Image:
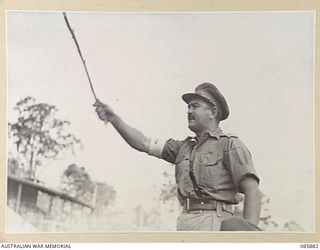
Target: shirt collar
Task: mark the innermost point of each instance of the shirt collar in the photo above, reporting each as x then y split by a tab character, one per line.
215	133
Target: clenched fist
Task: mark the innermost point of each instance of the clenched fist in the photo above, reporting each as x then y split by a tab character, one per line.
104	112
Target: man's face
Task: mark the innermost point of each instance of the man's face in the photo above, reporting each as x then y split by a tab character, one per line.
199	113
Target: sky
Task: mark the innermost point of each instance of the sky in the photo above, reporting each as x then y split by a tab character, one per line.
141	64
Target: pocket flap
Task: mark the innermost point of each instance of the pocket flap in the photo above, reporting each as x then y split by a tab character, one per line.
210	159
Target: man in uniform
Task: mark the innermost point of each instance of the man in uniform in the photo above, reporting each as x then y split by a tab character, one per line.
210	168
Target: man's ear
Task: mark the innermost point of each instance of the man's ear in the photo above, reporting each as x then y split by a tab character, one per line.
214	112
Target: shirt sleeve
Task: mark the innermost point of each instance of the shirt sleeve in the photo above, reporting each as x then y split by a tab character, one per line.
239	162
156	147
171	150
166	150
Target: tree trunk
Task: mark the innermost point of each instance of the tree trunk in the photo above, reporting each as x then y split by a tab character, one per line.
32	174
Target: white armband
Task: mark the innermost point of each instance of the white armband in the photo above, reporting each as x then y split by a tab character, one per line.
155	148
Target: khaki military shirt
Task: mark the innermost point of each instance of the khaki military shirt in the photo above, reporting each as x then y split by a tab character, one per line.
220	163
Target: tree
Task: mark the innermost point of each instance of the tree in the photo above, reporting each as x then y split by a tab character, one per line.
39	136
105	194
147	219
266	221
169	189
292	226
76	182
13	165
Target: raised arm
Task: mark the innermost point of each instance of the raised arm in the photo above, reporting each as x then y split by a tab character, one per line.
131	135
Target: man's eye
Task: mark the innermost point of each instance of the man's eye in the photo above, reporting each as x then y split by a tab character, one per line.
194	106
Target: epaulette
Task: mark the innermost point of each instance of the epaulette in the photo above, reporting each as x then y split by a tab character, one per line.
229	135
189	138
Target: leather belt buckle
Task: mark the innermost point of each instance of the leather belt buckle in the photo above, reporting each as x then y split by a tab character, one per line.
206	204
200	204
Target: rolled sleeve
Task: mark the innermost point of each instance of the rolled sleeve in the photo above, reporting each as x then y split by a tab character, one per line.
239	162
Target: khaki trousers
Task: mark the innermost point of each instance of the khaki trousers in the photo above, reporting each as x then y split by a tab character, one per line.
204	220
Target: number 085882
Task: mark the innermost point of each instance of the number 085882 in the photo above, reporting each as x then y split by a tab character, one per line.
309	245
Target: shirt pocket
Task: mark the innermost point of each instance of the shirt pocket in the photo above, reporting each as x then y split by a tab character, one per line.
210	159
212	172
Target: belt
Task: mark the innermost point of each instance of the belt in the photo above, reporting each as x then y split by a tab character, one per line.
200	204
191	204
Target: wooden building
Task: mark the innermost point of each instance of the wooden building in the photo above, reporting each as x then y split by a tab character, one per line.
47	209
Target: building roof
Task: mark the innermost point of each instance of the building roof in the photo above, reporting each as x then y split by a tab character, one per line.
47	190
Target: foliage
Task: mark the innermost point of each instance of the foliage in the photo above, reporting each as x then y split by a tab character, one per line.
266	221
292	226
38	135
147	219
76	182
105	195
168	191
13	166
